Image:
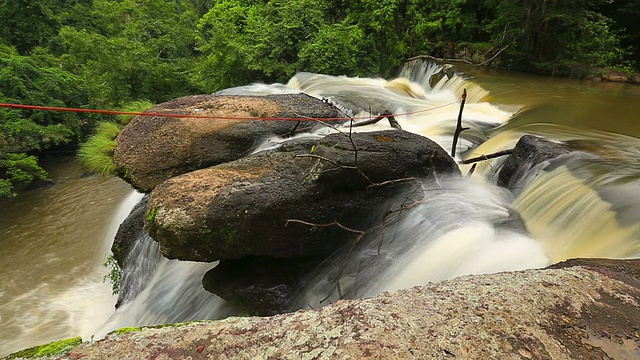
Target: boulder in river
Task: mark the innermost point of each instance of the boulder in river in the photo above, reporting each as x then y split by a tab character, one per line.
303	199
528	152
151	149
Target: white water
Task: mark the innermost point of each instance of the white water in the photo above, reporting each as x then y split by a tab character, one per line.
585	204
467	225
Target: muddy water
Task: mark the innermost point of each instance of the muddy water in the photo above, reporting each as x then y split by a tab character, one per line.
53	242
585	105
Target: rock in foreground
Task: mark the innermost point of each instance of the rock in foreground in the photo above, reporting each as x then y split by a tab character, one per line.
589	311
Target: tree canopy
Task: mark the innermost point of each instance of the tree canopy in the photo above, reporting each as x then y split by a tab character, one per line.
108	53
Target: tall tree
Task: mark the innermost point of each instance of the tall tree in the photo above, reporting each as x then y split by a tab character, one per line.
26	24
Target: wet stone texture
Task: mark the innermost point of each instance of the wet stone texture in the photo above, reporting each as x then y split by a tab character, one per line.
587	309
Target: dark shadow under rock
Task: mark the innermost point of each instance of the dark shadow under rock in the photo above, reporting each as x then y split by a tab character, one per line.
258	285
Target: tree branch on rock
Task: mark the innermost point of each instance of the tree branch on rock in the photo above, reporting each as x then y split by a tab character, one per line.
487	157
459	128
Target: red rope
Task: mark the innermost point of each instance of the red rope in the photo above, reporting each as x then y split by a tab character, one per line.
115	112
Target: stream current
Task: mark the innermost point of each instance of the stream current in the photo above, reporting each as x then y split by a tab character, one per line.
53	241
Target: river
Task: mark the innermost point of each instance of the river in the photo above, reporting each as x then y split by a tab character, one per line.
53	241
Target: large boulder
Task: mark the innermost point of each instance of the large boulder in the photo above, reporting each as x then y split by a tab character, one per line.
588	311
152	149
528	152
303	199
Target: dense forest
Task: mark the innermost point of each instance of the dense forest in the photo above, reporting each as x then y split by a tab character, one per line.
115	54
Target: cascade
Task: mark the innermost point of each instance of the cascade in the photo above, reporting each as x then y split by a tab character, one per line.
578	205
466	225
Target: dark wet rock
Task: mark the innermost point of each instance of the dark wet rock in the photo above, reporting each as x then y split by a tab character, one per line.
258	285
587	311
39	184
528	152
129	231
151	149
380	156
267	204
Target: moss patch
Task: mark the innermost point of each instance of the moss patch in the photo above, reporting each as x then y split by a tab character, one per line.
124	330
51	349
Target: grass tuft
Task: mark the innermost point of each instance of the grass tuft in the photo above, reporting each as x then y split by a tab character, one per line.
96	154
133	106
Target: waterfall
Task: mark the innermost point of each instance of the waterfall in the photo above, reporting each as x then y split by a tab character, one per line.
156	290
575	205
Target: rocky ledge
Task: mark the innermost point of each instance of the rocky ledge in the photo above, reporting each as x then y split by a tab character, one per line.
579	309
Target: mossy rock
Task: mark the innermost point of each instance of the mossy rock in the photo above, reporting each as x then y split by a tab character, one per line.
59	347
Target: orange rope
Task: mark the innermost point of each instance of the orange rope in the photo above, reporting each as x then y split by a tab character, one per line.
115	112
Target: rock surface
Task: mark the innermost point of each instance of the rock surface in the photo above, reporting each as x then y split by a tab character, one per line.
590	311
266	204
528	152
152	149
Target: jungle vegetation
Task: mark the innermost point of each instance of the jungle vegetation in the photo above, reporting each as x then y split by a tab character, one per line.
107	54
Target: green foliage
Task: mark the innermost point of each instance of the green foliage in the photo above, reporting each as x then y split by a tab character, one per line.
18	169
133	106
134	50
23	80
97	152
553	37
26	23
114	277
112	53
55	348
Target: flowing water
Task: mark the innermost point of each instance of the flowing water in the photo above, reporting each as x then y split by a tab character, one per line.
53	241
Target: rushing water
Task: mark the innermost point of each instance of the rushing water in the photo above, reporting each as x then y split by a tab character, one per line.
53	241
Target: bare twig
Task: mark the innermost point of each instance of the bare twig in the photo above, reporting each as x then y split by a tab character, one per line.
329	161
433	58
333	223
387	114
459	127
390	182
487	157
473	168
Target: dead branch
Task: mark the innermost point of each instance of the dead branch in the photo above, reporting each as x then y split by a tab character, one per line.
487	157
443	60
459	127
361	235
473	168
387	114
390	182
334	223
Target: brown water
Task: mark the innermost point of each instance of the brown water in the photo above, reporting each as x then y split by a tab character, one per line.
52	244
585	105
54	240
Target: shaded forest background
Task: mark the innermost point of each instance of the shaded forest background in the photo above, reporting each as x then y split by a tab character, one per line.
110	54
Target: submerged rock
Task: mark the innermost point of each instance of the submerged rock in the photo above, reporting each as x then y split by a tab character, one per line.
152	149
300	200
528	152
590	311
